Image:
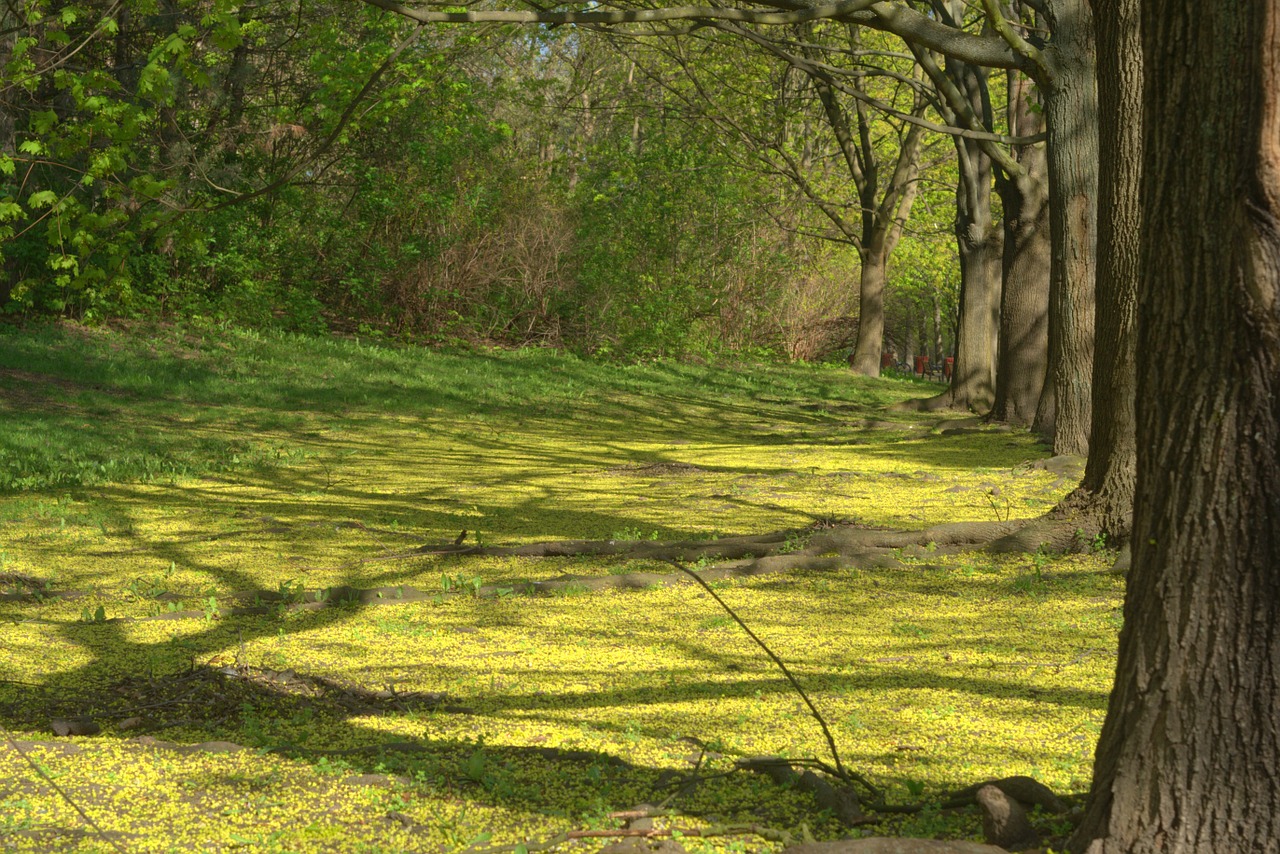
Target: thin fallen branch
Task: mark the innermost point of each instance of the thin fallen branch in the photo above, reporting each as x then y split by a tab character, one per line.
817	716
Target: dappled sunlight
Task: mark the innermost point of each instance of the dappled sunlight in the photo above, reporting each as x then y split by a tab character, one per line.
516	714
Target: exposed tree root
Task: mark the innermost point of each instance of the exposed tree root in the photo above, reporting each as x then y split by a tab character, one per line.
728	547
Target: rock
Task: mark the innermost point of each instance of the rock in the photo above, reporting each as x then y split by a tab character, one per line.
74	726
891	845
842	802
1026	790
1004	821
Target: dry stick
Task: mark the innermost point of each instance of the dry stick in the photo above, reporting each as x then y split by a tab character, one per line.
44	775
831	742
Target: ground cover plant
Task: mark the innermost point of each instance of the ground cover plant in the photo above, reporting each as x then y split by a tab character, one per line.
287	593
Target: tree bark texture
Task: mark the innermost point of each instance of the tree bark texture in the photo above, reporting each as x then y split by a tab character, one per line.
1024	301
1070	104
1189	758
978	241
1105	497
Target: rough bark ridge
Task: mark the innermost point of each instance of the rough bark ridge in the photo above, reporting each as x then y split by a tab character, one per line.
1070	101
974	377
1024	301
1189	758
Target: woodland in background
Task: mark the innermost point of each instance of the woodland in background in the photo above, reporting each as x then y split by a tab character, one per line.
324	165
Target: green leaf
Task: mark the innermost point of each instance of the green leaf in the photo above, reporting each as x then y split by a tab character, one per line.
42	199
42	121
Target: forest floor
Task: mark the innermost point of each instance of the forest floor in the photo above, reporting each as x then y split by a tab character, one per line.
228	560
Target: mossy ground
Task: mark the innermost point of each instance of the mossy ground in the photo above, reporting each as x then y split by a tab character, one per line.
166	471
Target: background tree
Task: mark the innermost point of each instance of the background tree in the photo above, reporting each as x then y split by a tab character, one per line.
855	164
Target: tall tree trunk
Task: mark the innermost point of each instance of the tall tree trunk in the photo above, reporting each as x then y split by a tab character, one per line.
1104	501
1024	300
885	211
1070	104
973	381
1190	748
978	241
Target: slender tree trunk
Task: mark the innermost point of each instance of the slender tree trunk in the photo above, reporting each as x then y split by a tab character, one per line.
1190	748
1024	301
937	327
1104	501
1070	103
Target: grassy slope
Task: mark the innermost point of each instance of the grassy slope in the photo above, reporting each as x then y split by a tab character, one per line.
147	469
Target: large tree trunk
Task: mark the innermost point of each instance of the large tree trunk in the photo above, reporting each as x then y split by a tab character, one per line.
1190	749
1024	302
1070	102
1104	501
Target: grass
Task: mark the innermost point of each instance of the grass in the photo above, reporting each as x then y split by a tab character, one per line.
155	479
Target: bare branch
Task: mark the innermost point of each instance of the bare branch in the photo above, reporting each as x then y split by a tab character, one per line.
828	74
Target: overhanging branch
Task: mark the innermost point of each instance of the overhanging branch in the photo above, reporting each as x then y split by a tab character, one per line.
840	9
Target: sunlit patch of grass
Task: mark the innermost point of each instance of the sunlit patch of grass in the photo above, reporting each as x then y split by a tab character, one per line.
949	669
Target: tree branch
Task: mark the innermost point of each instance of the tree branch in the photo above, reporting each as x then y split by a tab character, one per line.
839	9
1001	25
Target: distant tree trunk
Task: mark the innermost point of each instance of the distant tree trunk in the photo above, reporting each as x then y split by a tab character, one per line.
978	241
1070	105
1024	301
865	359
884	212
937	326
1190	749
1104	501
